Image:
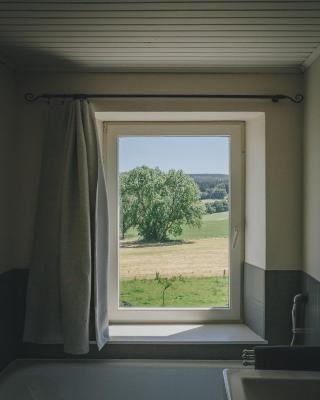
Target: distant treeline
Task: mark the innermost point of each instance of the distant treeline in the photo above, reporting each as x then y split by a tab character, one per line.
212	186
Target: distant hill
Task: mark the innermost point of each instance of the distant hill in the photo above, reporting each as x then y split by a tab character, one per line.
211	179
212	186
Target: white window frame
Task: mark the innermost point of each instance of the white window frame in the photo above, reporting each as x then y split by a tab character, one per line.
235	130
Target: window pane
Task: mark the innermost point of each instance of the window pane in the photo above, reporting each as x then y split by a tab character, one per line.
174	221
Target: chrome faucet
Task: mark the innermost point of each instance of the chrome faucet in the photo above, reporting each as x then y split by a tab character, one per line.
297	314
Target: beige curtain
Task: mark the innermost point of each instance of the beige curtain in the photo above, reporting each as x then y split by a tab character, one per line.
68	275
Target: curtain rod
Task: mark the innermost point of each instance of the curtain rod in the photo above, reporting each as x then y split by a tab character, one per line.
275	98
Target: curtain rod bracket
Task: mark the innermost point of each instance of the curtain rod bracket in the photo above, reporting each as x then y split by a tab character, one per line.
275	98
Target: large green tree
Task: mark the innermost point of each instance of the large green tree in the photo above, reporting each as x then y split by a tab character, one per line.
159	203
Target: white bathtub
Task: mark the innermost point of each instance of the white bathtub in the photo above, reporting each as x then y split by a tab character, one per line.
113	380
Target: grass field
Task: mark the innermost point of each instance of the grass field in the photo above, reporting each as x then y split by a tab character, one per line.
200	255
193	292
213	225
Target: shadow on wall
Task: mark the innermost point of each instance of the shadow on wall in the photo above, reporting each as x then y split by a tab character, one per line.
12	302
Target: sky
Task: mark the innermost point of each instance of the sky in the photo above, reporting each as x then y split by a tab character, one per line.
194	155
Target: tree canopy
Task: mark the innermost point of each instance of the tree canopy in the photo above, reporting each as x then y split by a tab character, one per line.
159	203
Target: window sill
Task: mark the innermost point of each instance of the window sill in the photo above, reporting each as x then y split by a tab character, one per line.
184	334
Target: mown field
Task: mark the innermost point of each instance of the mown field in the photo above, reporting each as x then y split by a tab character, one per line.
199	255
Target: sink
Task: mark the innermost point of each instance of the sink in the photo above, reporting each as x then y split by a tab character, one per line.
251	384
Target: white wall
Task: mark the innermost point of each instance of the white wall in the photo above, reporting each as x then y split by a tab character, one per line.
283	139
311	259
255	193
8	218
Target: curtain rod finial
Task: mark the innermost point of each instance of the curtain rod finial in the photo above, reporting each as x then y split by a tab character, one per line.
30	97
298	98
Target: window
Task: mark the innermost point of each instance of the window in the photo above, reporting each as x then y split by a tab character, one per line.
175	192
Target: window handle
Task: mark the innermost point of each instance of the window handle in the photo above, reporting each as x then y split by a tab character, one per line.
236	231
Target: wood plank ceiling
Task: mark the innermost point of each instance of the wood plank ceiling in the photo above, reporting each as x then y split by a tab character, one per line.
160	35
